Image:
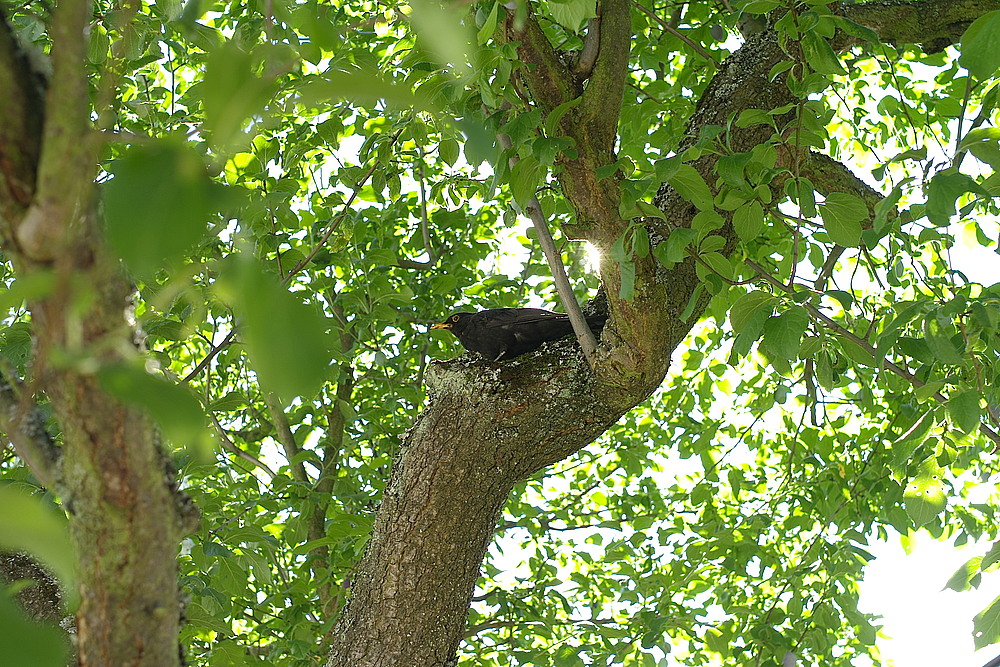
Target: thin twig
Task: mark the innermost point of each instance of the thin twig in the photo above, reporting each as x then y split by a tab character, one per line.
698	48
230	446
425	231
336	222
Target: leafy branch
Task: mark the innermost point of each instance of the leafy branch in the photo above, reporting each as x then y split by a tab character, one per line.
862	343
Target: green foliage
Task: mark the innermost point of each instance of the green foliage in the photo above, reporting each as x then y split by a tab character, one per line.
981	46
842	215
25	643
157	204
285	339
30	524
324	181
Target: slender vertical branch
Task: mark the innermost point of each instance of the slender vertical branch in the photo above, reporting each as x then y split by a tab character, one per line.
580	327
68	159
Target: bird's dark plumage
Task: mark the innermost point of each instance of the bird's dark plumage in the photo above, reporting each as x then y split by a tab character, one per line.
505	333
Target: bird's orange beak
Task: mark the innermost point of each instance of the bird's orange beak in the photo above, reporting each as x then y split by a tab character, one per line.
442	325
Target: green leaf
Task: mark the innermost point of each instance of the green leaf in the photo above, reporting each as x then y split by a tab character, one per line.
820	55
937	334
961	580
100	44
364	87
489	26
964	410
285	338
232	93
649	210
928	391
747	306
944	189
717	263
760	6
855	352
750	117
924	497
556	115
674	249
30	524
783	334
711	243
842	215
803	192
856	29
730	168
441	31
572	13
28	287
524	177
980	135
986	625
691	186
693	300
991	558
448	151
174	408
627	289
981	47
157	205
845	299
887	206
23	642
748	220
480	145
640	241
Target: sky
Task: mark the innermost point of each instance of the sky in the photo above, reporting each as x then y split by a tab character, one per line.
925	626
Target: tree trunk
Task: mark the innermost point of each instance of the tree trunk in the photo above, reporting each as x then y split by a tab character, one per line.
126	516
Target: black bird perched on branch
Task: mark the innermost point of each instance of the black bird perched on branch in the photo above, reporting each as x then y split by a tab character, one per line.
505	333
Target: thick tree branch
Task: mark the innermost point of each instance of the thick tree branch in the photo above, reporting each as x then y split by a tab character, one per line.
488	427
68	160
598	113
934	23
551	82
593	124
585	60
285	436
21	116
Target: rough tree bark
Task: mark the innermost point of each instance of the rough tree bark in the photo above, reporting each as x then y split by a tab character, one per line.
126	516
489	426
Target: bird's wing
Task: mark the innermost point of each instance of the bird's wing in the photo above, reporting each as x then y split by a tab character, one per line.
500	317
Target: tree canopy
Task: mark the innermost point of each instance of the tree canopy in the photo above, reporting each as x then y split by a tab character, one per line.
227	227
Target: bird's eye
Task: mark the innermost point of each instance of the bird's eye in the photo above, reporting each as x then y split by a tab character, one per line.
455	318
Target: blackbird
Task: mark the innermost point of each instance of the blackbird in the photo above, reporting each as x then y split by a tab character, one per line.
505	333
